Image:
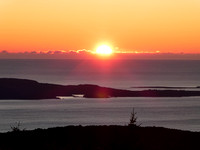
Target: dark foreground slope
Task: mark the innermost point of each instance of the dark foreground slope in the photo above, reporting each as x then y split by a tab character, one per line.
101	138
28	89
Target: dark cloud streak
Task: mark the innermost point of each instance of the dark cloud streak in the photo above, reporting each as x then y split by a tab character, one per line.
87	54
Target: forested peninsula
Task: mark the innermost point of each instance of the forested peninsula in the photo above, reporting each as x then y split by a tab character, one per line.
11	88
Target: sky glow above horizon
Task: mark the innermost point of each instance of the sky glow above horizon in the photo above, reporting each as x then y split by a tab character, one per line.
147	26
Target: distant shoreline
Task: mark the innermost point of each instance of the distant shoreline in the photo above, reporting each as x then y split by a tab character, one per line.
23	89
165	87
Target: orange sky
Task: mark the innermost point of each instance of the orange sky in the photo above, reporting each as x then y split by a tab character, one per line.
130	25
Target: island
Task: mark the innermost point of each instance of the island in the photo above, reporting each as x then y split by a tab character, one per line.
11	88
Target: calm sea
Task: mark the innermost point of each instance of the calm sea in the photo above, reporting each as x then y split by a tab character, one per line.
180	113
111	73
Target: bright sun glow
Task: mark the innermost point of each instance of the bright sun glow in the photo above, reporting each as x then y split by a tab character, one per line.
104	50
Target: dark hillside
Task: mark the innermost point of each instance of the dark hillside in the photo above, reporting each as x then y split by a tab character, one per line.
28	89
101	138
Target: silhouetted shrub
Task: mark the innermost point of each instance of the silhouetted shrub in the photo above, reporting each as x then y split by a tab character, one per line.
133	119
16	128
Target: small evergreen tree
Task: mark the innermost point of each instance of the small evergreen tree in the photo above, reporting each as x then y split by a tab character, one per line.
133	119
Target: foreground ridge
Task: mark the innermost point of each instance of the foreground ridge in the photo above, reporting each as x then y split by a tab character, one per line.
101	138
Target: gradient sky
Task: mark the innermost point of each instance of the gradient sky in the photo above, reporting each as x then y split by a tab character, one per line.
130	25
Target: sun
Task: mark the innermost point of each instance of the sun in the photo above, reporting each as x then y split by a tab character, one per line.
104	50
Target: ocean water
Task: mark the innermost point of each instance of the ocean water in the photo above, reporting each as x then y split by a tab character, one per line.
111	73
180	113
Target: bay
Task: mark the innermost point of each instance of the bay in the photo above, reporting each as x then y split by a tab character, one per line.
177	113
